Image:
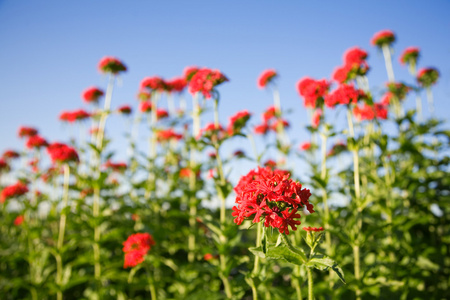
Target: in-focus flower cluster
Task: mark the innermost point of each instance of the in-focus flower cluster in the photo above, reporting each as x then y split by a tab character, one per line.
12	191
136	247
270	196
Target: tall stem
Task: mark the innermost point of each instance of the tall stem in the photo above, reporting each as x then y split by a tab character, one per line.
310	284
105	112
388	61
151	284
62	229
430	99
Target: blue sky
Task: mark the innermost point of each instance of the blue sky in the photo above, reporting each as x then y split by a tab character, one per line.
49	51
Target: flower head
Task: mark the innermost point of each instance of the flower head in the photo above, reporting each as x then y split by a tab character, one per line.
136	247
145	106
161	114
27	131
109	64
238	122
344	94
305	146
381	38
36	141
168	135
266	77
19	220
154	83
410	56
313	229
12	191
92	95
398	89
176	85
61	153
10	154
316	117
312	90
144	96
189	72
427	76
124	109
212	132
116	167
3	165
72	116
272	197
205	80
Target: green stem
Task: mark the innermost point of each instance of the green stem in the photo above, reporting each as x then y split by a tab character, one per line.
152	148
310	284
357	270
105	112
151	284
430	99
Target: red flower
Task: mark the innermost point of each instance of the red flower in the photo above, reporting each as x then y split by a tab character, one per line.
36	141
176	84
204	81
61	153
386	100
427	76
270	113
341	74
117	167
161	114
92	94
238	122
270	196
399	89
72	116
145	106
125	109
355	56
19	220
317	115
270	163
312	90
344	94
167	135
12	191
208	256
369	112
136	247
212	132
10	154
154	83
279	122
262	129
239	153
313	229
109	64
305	146
3	165
266	77
189	72
384	37
381	111
410	56
27	131
185	173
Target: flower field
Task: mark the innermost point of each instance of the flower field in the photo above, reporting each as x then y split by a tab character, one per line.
366	216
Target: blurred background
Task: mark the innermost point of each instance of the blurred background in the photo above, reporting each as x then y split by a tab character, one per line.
49	51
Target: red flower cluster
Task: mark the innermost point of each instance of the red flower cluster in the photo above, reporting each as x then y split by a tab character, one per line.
161	114
109	64
72	116
3	165
312	90
154	83
212	132
145	106
270	121
204	81
344	94
136	247
186	173
354	65
410	56
116	167
61	153
313	229
271	196
92	94
189	72
124	109
36	141
305	146
270	113
176	84
27	131
427	77
266	77
12	191
167	135
238	122
369	112
10	154
19	220
316	117
398	89
384	37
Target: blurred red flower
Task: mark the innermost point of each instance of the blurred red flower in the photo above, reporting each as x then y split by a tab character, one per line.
266	77
12	191
136	247
109	64
61	153
27	131
92	94
384	37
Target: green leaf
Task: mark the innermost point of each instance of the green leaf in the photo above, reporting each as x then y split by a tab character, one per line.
323	262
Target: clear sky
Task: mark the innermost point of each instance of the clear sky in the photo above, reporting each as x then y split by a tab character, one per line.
49	51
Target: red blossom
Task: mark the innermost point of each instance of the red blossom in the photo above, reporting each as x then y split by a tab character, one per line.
109	64
154	83
279	123
269	113
12	191
262	129
344	94
238	121
161	114
399	89
212	131
204	81
384	37
312	90
239	153
410	56
92	94
125	109
36	141
387	98
270	163
272	197
19	220
176	84
145	106
167	135
136	247
313	229
27	131
305	146
72	116
61	153
341	74
186	173
189	72
266	77
3	165
316	117
355	56
10	154
337	148
427	76
117	167
369	112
